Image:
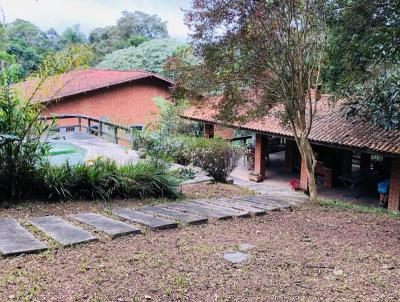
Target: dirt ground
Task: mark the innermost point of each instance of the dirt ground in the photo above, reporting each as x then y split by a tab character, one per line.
309	254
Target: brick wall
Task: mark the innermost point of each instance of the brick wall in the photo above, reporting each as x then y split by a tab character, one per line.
394	187
130	103
303	176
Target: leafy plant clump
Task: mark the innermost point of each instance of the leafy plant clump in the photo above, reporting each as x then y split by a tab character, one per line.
216	156
103	179
149	56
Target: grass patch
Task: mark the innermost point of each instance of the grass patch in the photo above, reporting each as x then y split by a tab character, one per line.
341	205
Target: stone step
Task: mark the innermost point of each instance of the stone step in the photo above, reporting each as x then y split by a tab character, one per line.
111	227
197	210
148	220
175	215
226	210
259	204
15	240
238	205
269	200
62	231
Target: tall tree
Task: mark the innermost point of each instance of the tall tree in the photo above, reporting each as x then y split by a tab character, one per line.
149	56
363	62
140	23
259	55
132	29
71	36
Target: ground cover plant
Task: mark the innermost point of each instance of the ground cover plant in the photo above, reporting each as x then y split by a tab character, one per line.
103	179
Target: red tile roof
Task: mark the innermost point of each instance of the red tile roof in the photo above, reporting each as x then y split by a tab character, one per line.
330	127
81	81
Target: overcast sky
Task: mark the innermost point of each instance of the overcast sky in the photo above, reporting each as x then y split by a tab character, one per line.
93	13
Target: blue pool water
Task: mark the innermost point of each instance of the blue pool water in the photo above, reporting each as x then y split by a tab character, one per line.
61	152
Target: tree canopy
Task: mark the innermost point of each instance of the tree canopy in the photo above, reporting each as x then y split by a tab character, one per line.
258	54
25	45
149	56
363	58
132	29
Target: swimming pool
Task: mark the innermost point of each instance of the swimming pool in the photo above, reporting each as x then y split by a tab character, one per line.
61	153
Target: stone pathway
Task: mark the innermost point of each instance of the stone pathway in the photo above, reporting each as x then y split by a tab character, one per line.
14	239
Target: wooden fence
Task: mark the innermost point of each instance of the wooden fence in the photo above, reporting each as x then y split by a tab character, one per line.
92	125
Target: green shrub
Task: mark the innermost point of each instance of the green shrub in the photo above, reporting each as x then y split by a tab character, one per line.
103	179
215	156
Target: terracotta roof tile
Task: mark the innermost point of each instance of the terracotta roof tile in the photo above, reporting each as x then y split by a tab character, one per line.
330	126
81	81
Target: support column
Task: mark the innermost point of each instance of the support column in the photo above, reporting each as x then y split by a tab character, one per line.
346	161
208	130
290	145
259	159
303	176
394	186
365	162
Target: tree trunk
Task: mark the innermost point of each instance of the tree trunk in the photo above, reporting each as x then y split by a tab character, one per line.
307	155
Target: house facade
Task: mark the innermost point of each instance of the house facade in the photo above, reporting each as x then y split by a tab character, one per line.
122	97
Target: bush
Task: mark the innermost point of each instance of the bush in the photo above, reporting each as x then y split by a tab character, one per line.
215	156
103	179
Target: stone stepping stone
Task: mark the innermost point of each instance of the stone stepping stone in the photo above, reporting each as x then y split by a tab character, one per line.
148	220
273	199
233	212
257	204
238	205
172	214
236	257
197	210
111	227
62	231
263	200
15	240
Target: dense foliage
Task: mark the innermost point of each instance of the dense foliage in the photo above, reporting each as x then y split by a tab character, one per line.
363	59
24	45
132	29
22	148
103	179
215	156
149	56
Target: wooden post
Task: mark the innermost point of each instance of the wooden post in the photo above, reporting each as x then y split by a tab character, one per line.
346	161
116	134
208	130
80	123
101	128
289	153
89	126
365	162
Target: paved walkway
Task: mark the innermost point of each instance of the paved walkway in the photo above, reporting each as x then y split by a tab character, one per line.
97	147
14	239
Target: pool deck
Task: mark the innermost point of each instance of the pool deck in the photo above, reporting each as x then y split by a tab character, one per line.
97	147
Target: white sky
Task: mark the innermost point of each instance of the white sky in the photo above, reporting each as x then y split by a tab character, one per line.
93	13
